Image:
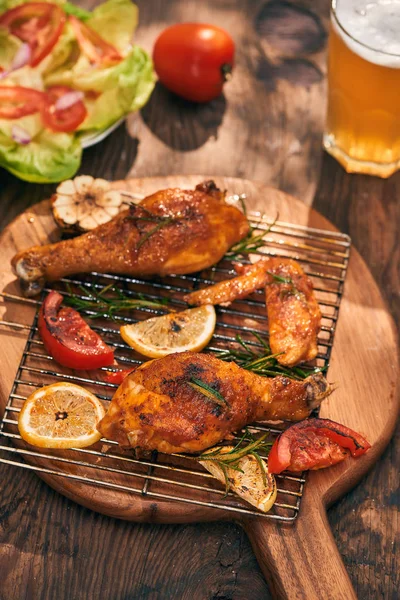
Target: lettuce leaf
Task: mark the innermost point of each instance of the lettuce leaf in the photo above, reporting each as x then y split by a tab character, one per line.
123	88
120	89
9	45
49	157
115	21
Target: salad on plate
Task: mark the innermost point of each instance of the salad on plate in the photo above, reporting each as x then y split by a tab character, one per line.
66	74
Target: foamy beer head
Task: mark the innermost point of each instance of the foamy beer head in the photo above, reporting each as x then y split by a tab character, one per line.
363	122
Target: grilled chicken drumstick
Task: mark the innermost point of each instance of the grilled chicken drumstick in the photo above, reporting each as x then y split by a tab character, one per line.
294	316
188	402
173	231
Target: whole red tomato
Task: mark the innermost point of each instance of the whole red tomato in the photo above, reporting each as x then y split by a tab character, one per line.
194	60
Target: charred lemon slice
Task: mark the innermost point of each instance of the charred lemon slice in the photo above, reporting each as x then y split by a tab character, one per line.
190	329
248	479
62	415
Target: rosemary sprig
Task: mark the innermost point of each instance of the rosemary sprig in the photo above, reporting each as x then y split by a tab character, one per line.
252	242
231	458
162	223
108	301
293	290
159	220
208	391
262	361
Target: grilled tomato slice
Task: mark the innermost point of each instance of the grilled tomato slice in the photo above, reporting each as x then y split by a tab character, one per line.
69	339
314	444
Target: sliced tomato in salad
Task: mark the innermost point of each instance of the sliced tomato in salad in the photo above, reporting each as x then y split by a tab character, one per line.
69	339
17	101
314	444
64	119
96	49
38	24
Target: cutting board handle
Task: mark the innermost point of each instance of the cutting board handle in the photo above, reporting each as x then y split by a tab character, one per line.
301	561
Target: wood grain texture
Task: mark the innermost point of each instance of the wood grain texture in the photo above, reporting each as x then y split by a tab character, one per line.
256	131
366	401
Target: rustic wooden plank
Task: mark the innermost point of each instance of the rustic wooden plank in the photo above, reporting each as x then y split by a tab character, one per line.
365	522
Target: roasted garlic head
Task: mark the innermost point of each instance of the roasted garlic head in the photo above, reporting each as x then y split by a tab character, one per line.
83	203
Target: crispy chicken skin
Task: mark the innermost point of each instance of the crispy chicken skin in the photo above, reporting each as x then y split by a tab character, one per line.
254	277
196	228
156	408
294	316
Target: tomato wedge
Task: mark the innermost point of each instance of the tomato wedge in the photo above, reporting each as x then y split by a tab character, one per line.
314	444
96	49
39	24
17	101
117	377
67	119
69	339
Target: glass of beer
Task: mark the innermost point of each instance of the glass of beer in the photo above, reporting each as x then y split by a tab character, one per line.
363	122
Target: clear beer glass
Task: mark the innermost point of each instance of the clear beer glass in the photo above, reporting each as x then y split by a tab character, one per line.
363	121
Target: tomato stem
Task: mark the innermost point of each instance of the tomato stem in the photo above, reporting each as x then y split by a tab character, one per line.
226	72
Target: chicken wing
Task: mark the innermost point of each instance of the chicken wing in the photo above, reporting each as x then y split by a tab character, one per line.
294	316
173	231
164	405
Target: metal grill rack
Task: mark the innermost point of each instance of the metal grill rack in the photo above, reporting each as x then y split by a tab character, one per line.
324	256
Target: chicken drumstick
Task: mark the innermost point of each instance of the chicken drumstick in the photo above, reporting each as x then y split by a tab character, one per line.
173	231
167	405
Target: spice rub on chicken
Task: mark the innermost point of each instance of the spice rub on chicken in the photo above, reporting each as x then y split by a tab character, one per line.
188	402
294	316
173	231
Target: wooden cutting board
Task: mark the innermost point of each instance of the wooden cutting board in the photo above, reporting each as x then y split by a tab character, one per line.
299	560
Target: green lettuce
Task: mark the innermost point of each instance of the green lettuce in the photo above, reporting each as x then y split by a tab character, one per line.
115	21
119	89
49	157
123	88
9	46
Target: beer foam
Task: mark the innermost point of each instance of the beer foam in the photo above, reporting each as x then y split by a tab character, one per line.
375	25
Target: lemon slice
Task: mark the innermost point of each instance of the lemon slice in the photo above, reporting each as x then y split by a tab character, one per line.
190	329
61	415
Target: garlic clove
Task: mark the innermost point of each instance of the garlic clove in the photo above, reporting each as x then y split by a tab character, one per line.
83	184
100	186
111	198
66	214
112	211
66	187
88	223
100	215
62	200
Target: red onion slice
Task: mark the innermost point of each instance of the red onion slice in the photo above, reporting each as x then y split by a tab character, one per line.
19	135
68	99
22	57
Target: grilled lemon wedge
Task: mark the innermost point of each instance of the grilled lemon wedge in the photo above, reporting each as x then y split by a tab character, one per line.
190	329
61	415
247	479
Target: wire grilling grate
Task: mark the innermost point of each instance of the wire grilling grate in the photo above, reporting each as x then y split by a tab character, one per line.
324	257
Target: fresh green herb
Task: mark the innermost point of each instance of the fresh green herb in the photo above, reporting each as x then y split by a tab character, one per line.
252	242
77	11
207	391
160	221
108	301
287	280
262	361
231	458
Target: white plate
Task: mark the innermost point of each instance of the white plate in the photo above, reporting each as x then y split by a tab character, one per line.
90	139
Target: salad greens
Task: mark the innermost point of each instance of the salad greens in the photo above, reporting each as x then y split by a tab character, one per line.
111	90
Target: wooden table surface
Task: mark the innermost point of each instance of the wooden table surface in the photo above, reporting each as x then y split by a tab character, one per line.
268	127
